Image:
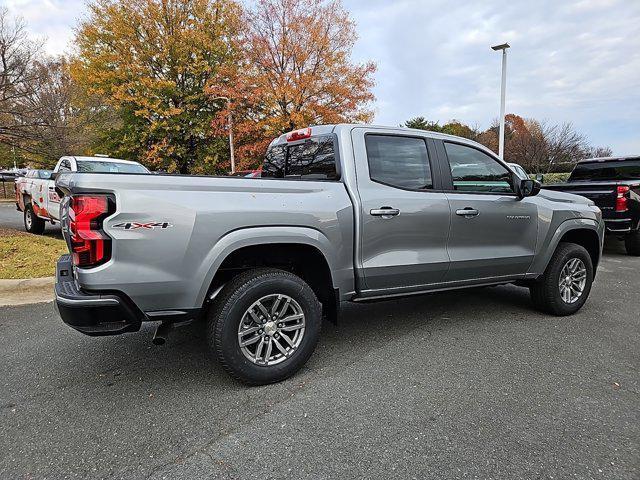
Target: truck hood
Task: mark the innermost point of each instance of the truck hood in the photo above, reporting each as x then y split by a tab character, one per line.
563	197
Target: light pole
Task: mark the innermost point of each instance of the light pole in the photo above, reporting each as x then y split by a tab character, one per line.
503	87
230	126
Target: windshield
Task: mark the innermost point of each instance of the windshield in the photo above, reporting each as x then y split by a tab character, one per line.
610	170
109	167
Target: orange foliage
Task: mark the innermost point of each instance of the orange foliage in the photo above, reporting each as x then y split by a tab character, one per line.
294	70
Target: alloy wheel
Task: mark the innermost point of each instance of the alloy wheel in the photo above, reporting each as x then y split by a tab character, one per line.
573	278
271	329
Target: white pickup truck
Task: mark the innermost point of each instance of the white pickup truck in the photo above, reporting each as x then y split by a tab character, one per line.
38	198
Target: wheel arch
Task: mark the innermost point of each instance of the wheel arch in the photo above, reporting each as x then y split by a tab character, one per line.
585	232
586	238
303	251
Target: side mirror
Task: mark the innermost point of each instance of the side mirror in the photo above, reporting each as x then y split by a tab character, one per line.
528	188
53	175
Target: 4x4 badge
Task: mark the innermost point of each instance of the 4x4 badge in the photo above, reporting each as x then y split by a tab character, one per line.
147	225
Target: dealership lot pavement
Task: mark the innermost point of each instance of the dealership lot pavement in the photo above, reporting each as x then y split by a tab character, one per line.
468	384
12	218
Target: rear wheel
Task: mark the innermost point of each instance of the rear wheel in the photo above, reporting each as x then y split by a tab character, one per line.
32	223
632	243
566	283
264	325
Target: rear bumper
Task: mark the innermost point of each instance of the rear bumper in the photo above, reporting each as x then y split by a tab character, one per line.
93	314
619	225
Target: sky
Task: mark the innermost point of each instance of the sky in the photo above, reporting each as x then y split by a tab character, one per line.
572	61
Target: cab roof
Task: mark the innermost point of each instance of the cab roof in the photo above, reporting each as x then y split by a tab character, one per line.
101	159
335	128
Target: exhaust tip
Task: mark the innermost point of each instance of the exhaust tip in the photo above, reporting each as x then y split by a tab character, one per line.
160	337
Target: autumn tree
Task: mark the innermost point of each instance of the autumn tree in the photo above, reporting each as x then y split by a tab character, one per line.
539	146
295	71
149	61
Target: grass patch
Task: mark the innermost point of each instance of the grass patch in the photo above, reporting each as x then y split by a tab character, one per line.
23	255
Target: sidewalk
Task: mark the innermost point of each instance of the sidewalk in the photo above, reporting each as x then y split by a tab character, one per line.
25	291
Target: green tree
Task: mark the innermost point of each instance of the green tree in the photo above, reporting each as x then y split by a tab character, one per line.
459	129
149	61
421	123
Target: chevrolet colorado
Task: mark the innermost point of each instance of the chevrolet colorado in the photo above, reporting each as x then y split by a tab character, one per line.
341	213
613	183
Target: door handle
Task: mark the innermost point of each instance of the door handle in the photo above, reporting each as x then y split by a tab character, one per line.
468	212
384	212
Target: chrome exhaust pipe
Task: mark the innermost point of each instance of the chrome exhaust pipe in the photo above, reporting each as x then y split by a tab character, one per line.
162	332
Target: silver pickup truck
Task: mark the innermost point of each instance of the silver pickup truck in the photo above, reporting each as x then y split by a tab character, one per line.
341	213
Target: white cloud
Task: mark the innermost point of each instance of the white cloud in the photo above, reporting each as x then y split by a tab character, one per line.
570	61
576	61
50	20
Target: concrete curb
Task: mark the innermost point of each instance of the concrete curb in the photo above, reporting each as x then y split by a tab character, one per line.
25	291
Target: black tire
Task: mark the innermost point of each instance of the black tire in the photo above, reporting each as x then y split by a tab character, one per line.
632	243
545	293
32	223
223	322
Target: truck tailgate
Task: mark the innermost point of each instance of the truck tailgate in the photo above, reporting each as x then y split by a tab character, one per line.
603	194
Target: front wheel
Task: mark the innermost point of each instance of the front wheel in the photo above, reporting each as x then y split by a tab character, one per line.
32	223
566	283
632	243
264	325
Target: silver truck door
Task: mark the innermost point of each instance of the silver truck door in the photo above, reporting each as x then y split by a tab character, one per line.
404	219
493	232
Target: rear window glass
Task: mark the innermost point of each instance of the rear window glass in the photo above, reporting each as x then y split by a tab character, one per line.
613	170
313	159
110	167
274	161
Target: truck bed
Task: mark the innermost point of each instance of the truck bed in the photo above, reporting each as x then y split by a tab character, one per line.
604	194
203	216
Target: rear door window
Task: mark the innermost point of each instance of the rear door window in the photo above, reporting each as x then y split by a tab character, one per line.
398	161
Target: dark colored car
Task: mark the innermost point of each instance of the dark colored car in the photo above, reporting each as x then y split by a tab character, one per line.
613	183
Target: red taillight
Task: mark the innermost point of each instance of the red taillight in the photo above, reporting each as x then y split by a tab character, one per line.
90	246
621	199
299	134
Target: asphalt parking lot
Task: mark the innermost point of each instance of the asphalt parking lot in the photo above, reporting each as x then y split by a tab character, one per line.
458	385
12	218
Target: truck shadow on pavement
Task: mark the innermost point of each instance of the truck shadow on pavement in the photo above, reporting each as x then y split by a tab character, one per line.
185	359
165	402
